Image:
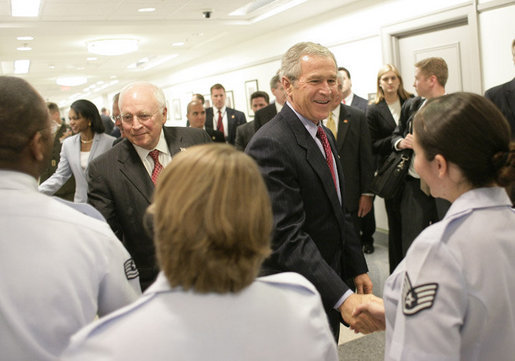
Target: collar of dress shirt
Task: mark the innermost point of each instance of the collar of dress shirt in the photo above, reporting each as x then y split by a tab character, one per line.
14	180
222	110
348	100
161	146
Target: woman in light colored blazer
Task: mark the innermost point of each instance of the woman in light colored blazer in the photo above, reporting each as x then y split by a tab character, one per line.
77	151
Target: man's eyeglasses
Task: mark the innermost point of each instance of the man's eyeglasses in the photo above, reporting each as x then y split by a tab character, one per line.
116	118
142	117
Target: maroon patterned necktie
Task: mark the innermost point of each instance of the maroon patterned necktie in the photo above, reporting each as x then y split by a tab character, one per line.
157	166
328	154
220	125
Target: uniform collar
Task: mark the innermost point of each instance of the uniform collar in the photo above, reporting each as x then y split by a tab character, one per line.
14	180
478	198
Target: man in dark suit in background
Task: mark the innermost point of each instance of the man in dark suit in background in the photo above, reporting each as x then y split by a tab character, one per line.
299	163
350	128
367	223
265	114
121	181
258	100
504	97
222	118
67	191
196	115
349	98
106	120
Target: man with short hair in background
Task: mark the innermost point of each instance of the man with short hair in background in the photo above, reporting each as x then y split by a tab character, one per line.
222	118
196	115
258	100
263	115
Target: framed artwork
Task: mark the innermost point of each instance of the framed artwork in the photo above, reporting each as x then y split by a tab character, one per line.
176	106
229	99
250	87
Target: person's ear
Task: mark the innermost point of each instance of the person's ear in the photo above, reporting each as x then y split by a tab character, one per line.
38	146
287	85
165	111
441	165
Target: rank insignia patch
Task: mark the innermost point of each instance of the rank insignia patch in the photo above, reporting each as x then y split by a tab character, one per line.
131	271
417	298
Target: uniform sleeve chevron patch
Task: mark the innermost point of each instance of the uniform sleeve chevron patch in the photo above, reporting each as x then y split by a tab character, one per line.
417	298
131	271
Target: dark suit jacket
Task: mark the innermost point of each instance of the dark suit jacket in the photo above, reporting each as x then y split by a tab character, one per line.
313	236
360	103
504	97
234	118
381	125
215	135
244	133
264	115
355	151
121	189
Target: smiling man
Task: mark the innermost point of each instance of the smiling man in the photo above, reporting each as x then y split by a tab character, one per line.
121	181
298	160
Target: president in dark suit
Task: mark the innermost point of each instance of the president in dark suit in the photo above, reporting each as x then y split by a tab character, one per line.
298	160
121	181
222	118
355	151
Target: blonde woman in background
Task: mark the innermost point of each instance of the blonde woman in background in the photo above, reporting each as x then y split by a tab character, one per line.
383	116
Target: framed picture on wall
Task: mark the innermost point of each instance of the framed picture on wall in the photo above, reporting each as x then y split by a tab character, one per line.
176	106
229	100
250	87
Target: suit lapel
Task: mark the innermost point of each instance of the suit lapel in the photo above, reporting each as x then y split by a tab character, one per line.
343	126
387	115
134	170
315	158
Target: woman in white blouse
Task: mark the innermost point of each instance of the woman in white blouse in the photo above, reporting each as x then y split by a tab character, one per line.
77	151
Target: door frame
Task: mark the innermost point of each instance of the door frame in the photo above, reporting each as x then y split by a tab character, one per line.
457	15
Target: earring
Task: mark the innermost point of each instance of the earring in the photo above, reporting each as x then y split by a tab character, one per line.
89	124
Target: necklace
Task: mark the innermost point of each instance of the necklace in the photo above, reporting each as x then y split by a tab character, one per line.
86	141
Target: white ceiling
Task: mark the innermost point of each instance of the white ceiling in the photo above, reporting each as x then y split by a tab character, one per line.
64	26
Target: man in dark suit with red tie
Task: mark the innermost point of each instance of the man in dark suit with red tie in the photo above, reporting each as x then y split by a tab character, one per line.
121	181
298	160
221	117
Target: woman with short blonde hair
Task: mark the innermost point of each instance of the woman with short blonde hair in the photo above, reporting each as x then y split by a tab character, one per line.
212	223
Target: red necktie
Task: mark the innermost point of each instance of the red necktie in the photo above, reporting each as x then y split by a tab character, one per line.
328	154
157	166
220	125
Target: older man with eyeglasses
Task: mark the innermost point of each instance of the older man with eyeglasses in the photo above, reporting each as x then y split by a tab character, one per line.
121	181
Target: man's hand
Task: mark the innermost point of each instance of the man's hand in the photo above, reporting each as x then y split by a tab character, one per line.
369	317
365	205
406	143
363	284
365	323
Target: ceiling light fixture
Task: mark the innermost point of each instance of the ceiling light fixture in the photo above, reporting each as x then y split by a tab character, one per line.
71	80
25	47
21	66
24	38
178	43
146	10
25	7
277	10
112	47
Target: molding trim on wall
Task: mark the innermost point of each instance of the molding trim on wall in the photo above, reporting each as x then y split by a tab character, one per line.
491	5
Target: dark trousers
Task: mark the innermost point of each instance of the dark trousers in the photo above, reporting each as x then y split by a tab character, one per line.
367	227
393	211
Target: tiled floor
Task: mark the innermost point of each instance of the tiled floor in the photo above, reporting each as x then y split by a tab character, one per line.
370	347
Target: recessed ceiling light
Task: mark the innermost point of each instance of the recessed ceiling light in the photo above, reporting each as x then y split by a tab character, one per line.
52	67
24	38
71	80
112	47
146	10
21	66
25	7
91	58
24	48
178	43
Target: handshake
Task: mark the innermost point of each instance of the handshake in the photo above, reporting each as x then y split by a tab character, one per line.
364	313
